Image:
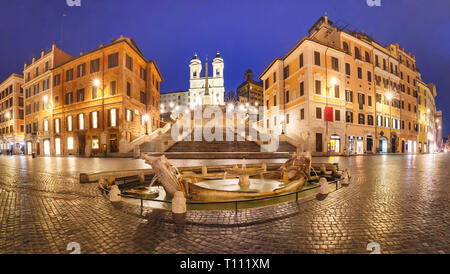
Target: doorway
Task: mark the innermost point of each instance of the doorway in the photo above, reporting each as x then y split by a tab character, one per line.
113	144
319	146
47	147
369	144
383	145
81	144
335	143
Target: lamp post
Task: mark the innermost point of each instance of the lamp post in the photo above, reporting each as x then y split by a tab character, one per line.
389	98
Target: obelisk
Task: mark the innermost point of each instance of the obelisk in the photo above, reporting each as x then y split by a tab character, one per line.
206	98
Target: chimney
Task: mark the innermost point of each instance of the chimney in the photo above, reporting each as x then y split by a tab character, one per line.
34	59
326	18
25	65
53	45
81	53
101	45
112	40
42	52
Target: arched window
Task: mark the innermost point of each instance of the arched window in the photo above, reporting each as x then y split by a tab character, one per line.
357	55
367	57
346	47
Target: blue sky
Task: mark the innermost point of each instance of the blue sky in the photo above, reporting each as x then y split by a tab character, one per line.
248	33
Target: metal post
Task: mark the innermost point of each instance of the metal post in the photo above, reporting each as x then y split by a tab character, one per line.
235	207
337	182
142	205
296	196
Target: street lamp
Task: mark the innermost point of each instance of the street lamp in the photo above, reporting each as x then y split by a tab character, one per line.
146	123
282	123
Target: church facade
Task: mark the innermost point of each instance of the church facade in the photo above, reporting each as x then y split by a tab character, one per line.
207	90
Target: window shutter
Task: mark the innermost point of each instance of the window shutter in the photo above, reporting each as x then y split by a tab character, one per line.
109	118
90	120
117	117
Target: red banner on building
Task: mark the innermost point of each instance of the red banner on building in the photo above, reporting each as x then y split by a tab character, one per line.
329	114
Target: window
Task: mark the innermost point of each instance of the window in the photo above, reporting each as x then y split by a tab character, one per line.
95	65
318	113
335	63
361	119
357	54
367	57
347	69
369	76
386	121
266	83
36	73
274	100
287	97
112	88
275	121
359	73
349	117
69	98
346	48
56	101
69	123
300	60
94	119
302	114
349	96
361	99
81	70
81	121
69	75
113	60
95	142
336	91
318	87
128	89
377	63
80	95
57	80
143	74
94	92
274	76
337	115
287	118
370	120
286	72
46	66
45	125
57	125
70	143
113	117
369	100
143	97
316	58
129	62
302	88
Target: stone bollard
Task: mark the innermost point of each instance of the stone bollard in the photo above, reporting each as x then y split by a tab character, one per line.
323	168
178	203
204	170
114	194
345	180
323	186
141	177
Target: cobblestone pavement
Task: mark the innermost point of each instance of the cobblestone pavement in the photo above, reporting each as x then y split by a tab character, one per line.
400	202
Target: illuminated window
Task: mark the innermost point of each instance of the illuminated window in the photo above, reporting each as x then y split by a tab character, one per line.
57	125
69	123
95	142
113	117
70	143
95	119
81	121
45	125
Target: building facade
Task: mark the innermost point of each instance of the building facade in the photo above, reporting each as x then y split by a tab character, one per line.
171	100
96	103
340	92
38	88
214	94
250	91
12	115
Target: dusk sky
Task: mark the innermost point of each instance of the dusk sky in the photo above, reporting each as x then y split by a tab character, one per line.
248	33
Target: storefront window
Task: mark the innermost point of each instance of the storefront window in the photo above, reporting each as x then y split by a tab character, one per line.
95	142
